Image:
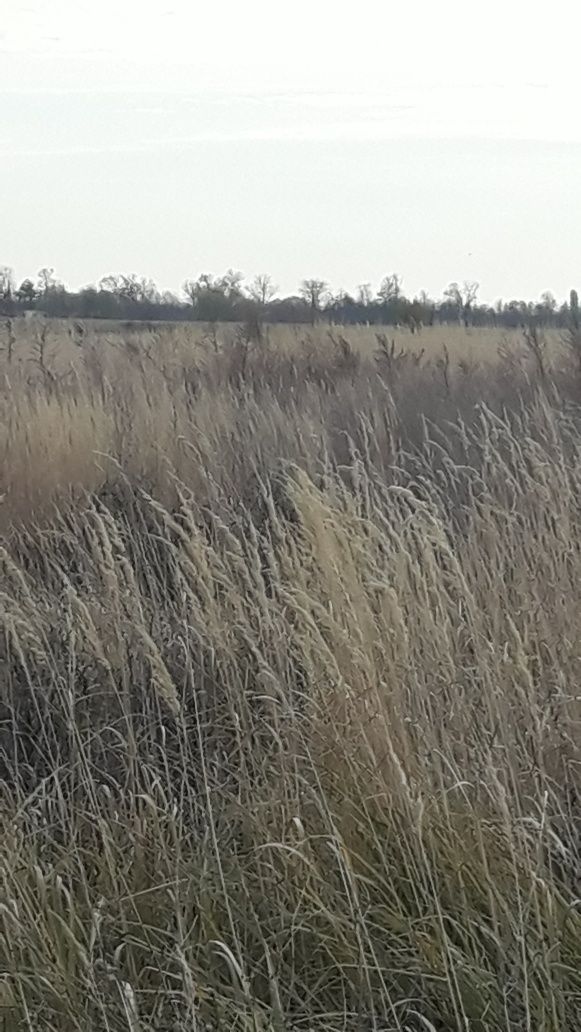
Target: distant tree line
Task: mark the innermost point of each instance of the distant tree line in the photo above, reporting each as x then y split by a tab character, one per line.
227	298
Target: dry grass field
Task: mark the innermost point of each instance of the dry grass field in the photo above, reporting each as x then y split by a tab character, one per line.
82	405
290	681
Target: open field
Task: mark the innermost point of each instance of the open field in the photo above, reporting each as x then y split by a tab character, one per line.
81	402
290	681
475	344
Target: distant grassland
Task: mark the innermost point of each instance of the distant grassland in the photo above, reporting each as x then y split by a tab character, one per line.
290	680
80	400
478	343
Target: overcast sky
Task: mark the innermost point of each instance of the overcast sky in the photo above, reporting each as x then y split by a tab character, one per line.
171	137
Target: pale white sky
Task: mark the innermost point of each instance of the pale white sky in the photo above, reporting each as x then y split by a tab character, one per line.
170	137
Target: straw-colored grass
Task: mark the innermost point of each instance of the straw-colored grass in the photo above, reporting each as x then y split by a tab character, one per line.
290	702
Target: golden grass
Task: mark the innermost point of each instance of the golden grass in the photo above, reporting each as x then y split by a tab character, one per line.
289	697
76	404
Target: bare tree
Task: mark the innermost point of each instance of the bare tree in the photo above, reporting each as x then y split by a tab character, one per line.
549	301
112	283
190	289
7	286
262	289
6	283
215	299
46	280
454	295
470	290
314	291
390	288
463	297
364	294
131	287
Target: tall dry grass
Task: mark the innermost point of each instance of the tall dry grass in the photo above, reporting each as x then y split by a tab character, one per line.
83	405
289	706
